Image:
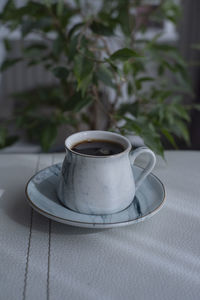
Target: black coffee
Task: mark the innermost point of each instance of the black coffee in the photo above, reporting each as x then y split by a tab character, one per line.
98	148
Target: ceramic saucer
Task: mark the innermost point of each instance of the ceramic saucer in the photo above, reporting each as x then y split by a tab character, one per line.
41	195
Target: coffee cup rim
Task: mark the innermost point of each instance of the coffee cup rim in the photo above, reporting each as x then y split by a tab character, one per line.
69	142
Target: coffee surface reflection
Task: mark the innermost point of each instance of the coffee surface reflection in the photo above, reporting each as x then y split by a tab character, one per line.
98	148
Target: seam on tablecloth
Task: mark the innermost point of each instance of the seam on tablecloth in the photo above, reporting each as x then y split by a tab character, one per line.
27	255
29	242
49	256
49	250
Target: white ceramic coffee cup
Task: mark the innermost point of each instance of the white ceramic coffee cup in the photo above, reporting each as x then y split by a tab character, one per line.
100	184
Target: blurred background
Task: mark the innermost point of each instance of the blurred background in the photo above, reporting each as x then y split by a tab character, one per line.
23	76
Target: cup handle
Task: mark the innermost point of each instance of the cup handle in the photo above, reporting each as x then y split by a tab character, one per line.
152	161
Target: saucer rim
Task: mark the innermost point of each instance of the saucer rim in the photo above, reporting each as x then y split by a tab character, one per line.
67	221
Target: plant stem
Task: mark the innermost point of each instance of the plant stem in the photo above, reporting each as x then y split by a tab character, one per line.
115	102
57	23
78	48
111	119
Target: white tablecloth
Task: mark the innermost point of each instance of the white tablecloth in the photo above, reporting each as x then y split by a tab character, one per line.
157	259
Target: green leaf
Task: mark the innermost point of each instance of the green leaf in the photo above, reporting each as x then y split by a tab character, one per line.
153	143
10	140
58	46
31	9
182	131
8	10
68	12
163	47
105	76
35	49
195	46
60	6
161	93
101	29
29	25
124	54
169	137
161	69
180	111
196	106
9	62
167	65
130	88
183	85
127	67
47	136
48	3
140	80
178	59
33	62
61	118
137	67
83	69
145	78
40	96
3	135
171	10
106	17
7	44
132	108
126	22
147	131
77	102
112	65
132	126
60	72
85	83
85	118
82	66
72	47
75	28
85	102
5	139
39	46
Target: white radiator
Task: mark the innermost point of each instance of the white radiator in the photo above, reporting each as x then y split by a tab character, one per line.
19	78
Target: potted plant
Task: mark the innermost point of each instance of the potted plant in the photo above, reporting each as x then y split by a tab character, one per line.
102	69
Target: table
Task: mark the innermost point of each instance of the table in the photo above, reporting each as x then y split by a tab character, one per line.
155	259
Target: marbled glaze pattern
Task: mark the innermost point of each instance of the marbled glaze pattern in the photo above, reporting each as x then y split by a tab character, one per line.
42	196
100	185
96	181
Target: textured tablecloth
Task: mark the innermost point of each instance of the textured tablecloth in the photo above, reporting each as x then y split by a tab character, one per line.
157	259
